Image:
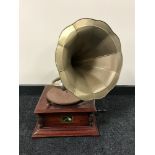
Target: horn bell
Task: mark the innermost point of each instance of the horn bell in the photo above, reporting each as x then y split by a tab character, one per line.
88	58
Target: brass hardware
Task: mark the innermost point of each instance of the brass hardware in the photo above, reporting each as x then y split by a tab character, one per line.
67	119
89	59
60	84
91	119
40	121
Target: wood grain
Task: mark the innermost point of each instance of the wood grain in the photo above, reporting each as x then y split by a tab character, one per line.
50	122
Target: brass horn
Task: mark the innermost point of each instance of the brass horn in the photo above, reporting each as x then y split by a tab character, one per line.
88	58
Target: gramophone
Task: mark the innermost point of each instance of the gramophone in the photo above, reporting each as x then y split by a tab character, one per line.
89	60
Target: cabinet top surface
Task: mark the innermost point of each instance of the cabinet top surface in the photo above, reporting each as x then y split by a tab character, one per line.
44	107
